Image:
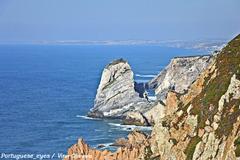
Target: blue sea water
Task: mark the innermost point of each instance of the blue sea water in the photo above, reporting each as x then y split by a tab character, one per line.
45	91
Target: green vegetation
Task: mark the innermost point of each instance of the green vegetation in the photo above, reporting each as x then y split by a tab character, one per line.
238	72
228	118
173	140
184	108
237	145
189	151
166	122
205	105
133	122
148	154
116	62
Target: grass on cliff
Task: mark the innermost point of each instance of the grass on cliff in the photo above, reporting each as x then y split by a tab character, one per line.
205	105
117	61
148	154
189	151
238	73
237	145
228	118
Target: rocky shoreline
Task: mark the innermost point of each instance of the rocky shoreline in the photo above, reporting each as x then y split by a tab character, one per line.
196	115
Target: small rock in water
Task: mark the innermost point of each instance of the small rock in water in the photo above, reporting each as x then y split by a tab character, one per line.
120	142
101	146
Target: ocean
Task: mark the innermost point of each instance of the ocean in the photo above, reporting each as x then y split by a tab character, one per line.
46	91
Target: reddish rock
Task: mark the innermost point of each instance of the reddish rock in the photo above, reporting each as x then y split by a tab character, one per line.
131	149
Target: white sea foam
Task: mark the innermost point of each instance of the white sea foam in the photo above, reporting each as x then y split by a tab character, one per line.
97	138
106	146
86	117
130	127
153	98
145	75
142	80
71	137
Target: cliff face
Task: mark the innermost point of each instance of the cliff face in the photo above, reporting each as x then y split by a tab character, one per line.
179	74
204	122
117	92
178	77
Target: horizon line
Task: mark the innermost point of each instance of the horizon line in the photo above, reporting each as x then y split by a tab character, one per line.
113	42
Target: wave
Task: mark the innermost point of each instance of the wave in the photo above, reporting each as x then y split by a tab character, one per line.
145	75
141	80
105	146
153	98
71	137
86	117
130	127
97	138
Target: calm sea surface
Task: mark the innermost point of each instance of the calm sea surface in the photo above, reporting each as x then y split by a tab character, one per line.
45	91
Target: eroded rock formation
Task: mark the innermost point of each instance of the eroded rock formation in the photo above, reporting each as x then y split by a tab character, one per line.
117	92
132	148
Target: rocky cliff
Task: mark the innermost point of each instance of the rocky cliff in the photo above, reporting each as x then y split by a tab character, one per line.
117	92
179	74
178	77
202	123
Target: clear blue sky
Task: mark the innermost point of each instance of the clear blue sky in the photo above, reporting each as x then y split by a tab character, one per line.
33	20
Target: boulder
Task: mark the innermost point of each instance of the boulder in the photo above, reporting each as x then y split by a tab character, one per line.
149	118
135	118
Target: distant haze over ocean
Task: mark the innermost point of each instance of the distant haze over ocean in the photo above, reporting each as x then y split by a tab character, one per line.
205	45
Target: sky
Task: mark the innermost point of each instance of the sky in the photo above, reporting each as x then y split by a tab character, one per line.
52	20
